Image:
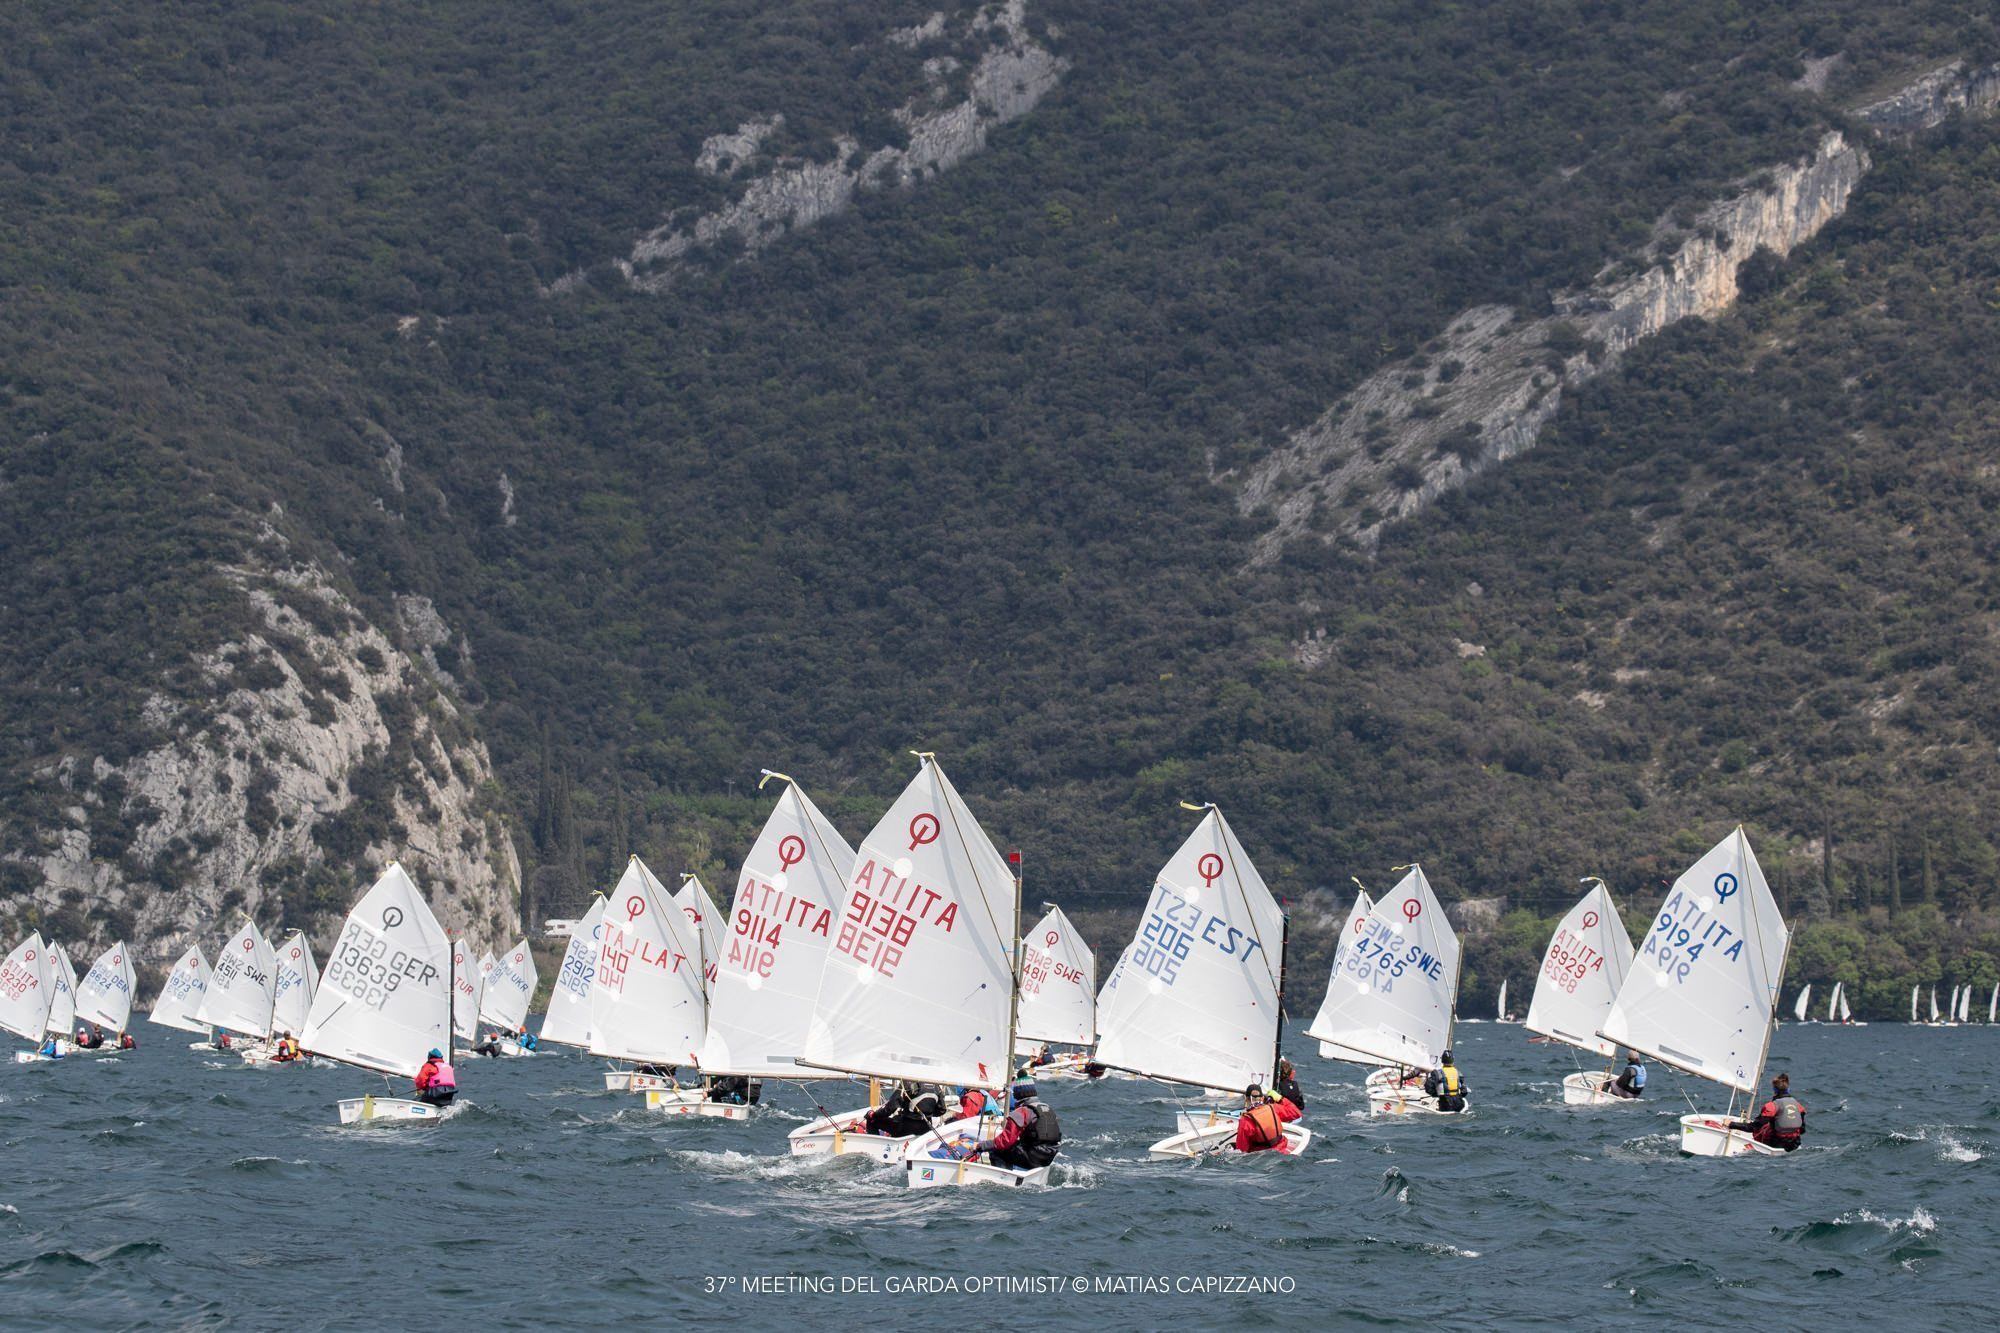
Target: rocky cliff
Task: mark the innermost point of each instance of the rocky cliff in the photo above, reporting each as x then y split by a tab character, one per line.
1009	76
323	751
1481	391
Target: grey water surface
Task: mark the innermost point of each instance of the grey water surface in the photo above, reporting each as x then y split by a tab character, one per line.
168	1188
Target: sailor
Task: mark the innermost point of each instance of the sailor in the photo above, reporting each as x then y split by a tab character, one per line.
127	1042
489	1045
1446	1085
1261	1126
288	1050
436	1083
1043	1056
51	1047
1093	1070
976	1101
1780	1122
1288	1084
1631	1083
219	1039
729	1089
525	1039
90	1039
907	1111
1030	1136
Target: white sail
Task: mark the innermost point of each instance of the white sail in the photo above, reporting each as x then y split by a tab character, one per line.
1357	921
1934	1008
1197	1001
919	983
1833	1003
1799	1007
509	987
1845	1013
1058	984
1393	1001
24	988
1965	1005
1992	1006
1582	970
298	978
1914	992
245	981
646	999
567	1019
698	906
385	997
788	896
179	1005
1705	982
104	997
1500	1014
465	992
62	983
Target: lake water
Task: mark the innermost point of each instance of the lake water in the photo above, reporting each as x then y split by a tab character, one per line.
165	1188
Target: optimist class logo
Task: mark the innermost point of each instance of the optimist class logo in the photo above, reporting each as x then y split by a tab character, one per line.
1412	909
792	850
924	830
1589	920
1209	867
635	907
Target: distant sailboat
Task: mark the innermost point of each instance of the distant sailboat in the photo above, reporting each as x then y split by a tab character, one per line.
359	1019
1357	920
1993	1006
1965	1004
104	998
62	1000
1833	1003
1058	995
179	1004
1501	1015
243	987
503	1001
1915	991
26	994
1582	971
1934	1009
1704	989
647	1002
1799	1008
566	1021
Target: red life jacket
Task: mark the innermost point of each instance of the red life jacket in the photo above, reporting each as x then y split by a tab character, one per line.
1264	1121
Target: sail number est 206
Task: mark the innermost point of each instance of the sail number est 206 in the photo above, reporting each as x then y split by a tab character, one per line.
1171	929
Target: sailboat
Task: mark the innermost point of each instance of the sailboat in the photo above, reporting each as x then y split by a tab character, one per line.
1393	1004
1703	991
504	998
1934	1009
1993	1005
767	969
1833	1003
294	979
104	998
1357	921
26	993
1582	970
703	926
179	1002
62	998
1799	1007
920	982
1196	999
1058	996
566	1022
244	985
1847	1014
386	995
1914	992
465	988
1965	1004
647	1002
1502	1016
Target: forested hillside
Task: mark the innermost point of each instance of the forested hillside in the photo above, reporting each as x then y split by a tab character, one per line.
314	298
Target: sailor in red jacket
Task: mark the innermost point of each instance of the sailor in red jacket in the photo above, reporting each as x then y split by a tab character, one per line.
1780	1122
1028	1137
437	1082
1261	1126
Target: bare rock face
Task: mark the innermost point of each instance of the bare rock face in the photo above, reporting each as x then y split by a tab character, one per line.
1476	916
1012	75
1484	388
331	753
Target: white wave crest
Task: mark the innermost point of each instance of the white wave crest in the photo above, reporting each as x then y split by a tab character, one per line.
1919	1223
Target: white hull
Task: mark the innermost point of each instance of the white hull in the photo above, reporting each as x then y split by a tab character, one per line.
626	1080
675	1103
1221	1138
1587	1090
32	1058
840	1135
927	1174
1387	1078
369	1110
1709	1136
1405	1101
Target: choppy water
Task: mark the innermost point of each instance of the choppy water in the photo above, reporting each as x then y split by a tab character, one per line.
166	1188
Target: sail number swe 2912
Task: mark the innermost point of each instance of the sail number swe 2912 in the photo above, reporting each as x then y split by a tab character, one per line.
1170	932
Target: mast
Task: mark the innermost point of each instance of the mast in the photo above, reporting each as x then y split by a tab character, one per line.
1014	1000
1284	946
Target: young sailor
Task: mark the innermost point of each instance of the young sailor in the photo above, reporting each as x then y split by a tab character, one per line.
1288	1084
907	1111
1446	1084
51	1048
1029	1137
127	1042
436	1081
976	1101
1261	1126
89	1039
1780	1122
1631	1083
288	1050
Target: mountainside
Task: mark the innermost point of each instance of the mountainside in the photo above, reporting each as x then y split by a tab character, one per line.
642	399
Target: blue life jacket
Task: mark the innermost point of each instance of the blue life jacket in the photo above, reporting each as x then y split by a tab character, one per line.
1638	1073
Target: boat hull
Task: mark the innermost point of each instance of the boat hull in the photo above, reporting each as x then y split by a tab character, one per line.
927	1174
1710	1136
1220	1139
840	1135
628	1080
1588	1090
675	1103
386	1110
1405	1101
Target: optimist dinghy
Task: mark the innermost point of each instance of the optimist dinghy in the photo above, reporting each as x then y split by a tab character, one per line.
1582	969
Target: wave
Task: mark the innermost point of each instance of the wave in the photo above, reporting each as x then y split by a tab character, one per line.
1944	1138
